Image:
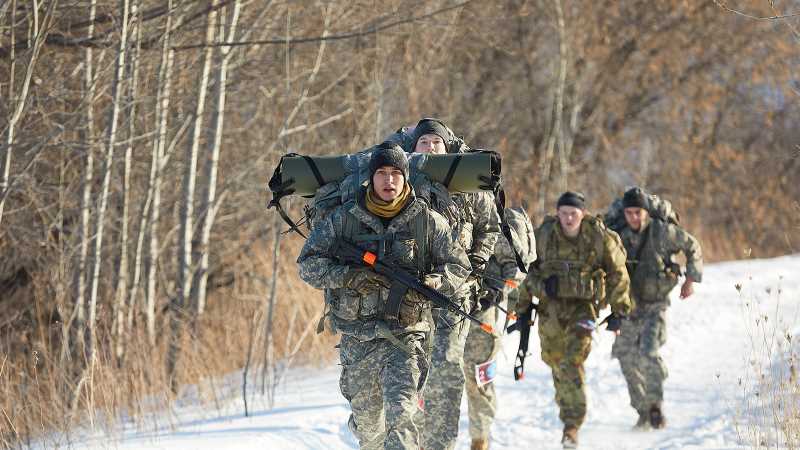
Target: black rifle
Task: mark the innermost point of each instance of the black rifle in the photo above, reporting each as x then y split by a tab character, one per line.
523	324
401	280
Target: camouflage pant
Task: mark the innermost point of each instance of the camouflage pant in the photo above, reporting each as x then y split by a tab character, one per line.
565	347
446	383
637	350
382	383
481	400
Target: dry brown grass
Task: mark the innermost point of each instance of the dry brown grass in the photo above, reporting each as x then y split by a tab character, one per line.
36	387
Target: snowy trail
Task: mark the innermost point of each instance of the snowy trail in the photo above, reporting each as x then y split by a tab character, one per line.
707	352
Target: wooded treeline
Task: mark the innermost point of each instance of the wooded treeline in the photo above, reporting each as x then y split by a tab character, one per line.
138	136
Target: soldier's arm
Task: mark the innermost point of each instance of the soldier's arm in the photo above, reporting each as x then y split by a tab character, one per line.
317	266
617	280
690	246
448	258
531	285
504	255
486	229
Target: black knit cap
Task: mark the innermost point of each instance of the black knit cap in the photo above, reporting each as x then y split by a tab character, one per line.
388	154
431	126
634	198
570	198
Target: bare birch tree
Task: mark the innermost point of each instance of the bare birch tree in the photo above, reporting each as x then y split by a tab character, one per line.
185	256
111	141
208	198
18	103
79	313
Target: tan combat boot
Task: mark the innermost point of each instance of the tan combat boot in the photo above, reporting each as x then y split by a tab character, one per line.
479	444
570	437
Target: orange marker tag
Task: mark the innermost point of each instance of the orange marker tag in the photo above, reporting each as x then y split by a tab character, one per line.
512	316
370	258
512	284
487	328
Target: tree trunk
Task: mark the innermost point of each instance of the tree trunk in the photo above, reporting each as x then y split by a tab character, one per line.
554	135
116	95
21	100
79	313
185	257
209	205
159	145
123	301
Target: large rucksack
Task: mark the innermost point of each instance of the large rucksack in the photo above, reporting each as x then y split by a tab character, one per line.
657	207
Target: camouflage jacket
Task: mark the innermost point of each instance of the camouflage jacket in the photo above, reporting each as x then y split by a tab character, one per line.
357	309
651	259
590	270
473	217
502	266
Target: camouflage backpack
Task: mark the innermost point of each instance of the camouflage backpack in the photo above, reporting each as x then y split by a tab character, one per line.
658	208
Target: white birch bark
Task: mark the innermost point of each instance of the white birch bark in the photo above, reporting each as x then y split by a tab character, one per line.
185	260
113	125
209	205
123	301
162	118
79	313
19	107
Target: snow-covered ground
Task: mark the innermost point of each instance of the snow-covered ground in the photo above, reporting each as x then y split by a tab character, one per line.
713	351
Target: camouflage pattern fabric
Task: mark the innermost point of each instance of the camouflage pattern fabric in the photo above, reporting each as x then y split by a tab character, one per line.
357	309
653	276
442	395
637	348
382	383
383	364
655	273
565	344
481	400
481	346
475	224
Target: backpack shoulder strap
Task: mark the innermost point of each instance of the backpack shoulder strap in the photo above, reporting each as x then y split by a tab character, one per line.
420	233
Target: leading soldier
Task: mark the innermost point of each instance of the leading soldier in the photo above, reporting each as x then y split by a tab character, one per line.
580	268
651	243
383	360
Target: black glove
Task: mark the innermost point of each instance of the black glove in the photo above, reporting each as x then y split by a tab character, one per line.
613	322
491	183
478	263
551	286
489	300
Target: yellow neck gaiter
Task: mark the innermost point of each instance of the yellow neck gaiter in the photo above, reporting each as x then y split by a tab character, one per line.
387	210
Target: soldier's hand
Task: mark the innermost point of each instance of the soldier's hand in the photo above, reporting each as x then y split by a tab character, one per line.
478	263
687	289
614	323
490	299
433	282
551	286
361	279
490	183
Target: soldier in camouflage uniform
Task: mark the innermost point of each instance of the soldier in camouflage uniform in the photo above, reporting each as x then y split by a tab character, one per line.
651	244
383	361
475	223
580	268
501	278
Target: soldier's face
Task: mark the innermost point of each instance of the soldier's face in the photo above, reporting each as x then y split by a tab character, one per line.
570	219
388	183
430	143
636	217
